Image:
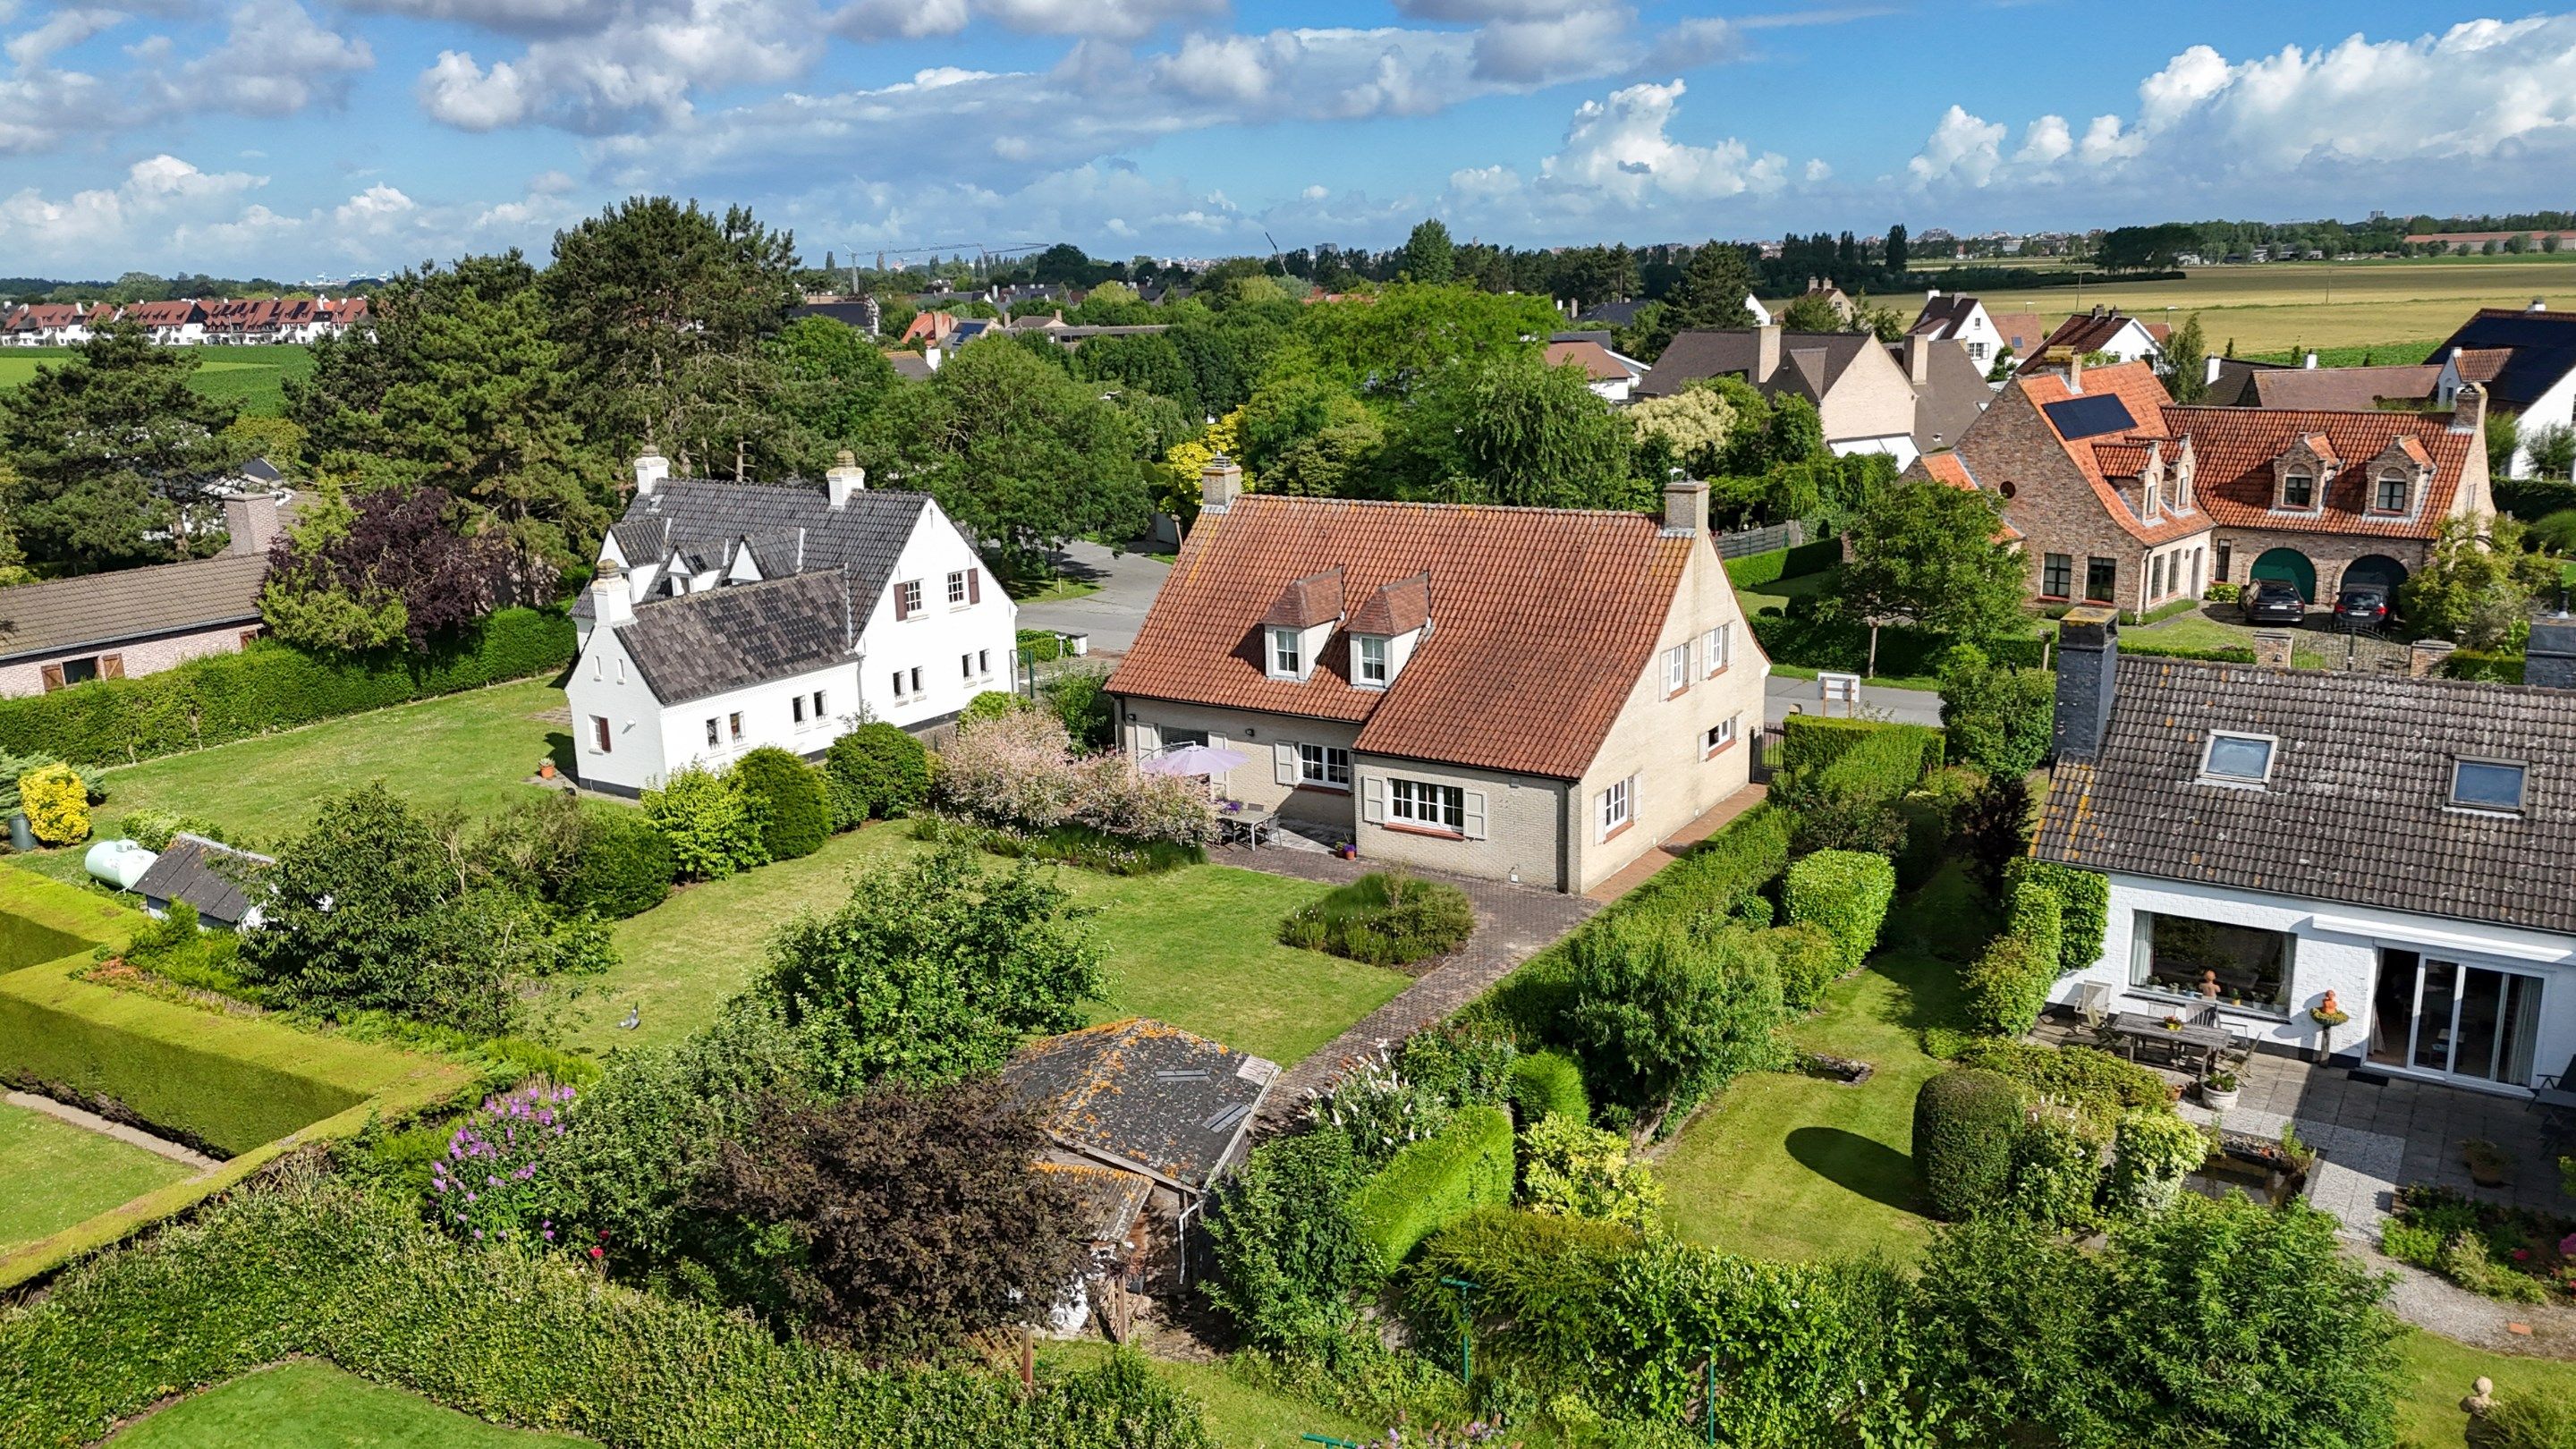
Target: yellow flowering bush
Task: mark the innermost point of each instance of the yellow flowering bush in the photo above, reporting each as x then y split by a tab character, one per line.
56	802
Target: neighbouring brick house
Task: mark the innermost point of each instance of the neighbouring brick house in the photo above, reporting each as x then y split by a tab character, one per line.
1529	694
138	621
2126	499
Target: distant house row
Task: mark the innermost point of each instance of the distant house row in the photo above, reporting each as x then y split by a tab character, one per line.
187	322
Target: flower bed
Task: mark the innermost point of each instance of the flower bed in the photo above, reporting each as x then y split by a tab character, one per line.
1385	918
2516	1254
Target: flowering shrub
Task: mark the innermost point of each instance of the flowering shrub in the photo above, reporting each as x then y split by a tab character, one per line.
1576	1170
56	802
1019	770
1380	1111
486	1188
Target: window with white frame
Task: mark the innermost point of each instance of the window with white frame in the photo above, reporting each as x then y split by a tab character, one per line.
983	663
957	589
1368	659
1718	736
966	664
714	735
818	704
1717	648
2237	759
733	722
1420	802
908	598
1324	765
796	710
599	734
915	673
1618	806
1287	658
1676	669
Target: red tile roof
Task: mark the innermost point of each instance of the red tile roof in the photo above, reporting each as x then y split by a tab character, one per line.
1399	608
2139	390
2481	364
2235	449
2078	335
1542	621
1308	602
1952	469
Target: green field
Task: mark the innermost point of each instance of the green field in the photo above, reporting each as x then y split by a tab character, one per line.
308	1405
252	376
2320	304
1196	947
53	1174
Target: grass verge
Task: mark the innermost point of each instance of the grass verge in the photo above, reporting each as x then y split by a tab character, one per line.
2439	1372
307	1404
53	1174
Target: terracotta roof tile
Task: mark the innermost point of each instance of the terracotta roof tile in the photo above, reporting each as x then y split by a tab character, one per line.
1592	357
1542	621
1399	608
2481	364
2136	386
2235	449
1307	602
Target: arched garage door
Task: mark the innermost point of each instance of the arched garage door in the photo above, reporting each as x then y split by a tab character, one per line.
2290	566
2375	571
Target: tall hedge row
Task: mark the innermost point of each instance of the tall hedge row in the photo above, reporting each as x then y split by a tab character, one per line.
2007	985
1435	1181
317	1268
1845	892
2084	906
269	686
1721	871
1756	569
1859	759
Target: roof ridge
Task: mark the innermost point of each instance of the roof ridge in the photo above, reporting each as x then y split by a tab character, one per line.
1447	507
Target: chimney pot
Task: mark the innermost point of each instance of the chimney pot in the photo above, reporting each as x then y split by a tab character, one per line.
1685	508
1220	483
1766	352
2075	373
2469	409
251	520
650	469
844	478
611	601
2088	659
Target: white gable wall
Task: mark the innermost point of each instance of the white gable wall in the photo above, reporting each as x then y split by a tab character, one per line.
937	637
606	685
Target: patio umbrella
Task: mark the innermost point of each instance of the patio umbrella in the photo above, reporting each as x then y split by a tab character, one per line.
1194	760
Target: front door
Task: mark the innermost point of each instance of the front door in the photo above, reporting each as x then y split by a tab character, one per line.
2460	1020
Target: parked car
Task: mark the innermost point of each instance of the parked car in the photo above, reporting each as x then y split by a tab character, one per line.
2275	602
2362	608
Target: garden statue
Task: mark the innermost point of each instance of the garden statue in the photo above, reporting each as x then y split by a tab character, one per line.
2481	1397
2209	985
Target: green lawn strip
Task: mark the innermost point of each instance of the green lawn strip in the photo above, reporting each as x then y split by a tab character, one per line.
53	1174
470	751
311	1405
1049	588
1195	947
2439	1372
1242	1415
1798	1167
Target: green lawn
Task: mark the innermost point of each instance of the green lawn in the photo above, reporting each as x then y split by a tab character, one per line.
309	1405
1777	593
1244	1416
254	377
53	1174
1196	947
1798	1167
469	751
2217	626
2440	1372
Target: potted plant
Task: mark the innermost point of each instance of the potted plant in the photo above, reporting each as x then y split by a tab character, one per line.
2487	1162
2218	1091
545	769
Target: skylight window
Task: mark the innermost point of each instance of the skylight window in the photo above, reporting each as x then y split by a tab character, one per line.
2487	784
2234	759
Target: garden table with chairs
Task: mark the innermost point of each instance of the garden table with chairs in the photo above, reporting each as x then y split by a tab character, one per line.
1247	823
2201	1040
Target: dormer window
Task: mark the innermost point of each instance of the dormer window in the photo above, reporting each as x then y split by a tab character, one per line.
1287	658
2391	493
2496	785
2154	495
2238	759
1368	661
2298	489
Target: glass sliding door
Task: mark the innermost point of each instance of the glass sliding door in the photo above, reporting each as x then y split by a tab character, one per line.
2478	1022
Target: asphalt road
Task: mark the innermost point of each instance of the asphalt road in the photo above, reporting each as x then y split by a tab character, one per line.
1785	696
1113	615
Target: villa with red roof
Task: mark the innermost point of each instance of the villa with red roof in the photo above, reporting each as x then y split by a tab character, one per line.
1539	695
2124	498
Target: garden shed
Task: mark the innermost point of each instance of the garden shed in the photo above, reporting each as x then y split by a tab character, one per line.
207	874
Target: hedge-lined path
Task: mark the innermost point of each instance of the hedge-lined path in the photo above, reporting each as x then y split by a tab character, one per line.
1513	923
130	1136
1673	846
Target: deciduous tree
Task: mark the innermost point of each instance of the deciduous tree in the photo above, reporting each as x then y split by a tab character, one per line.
1929	554
1514	431
2480	583
1429	256
388	566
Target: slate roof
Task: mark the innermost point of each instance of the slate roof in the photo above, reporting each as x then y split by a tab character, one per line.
1541	621
2357	807
865	537
2234	449
1614	314
103	610
2351	389
1143	1095
1697	354
1942	317
731	638
1109	1199
911	365
1953	394
2540	349
205	874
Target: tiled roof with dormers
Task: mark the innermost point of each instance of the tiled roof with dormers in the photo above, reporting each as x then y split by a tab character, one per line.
2136	386
1399	608
2236	448
1307	602
1542	620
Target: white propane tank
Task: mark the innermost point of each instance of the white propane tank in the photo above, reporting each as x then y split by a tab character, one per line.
120	863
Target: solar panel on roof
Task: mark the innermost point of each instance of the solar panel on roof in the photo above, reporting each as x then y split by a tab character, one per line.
2089	417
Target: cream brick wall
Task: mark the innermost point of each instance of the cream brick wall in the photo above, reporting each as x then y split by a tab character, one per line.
150	656
1658	739
1256	735
1524	824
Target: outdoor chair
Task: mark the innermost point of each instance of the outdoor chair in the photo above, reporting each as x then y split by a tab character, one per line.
2093	1008
2555	1100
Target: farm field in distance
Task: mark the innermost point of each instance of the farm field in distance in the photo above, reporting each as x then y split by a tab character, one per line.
255	377
2274	306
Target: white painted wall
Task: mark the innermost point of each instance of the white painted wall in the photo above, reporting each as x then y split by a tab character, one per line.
1899	446
934	639
649	742
606	685
2336	950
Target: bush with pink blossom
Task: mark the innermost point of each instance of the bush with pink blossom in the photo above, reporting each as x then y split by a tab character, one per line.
1020	772
487	1187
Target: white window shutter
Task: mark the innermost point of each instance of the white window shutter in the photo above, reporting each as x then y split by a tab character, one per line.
1373	799
1283	757
1475	814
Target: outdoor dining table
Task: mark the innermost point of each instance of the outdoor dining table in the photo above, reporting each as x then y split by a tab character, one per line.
2133	1027
1246	823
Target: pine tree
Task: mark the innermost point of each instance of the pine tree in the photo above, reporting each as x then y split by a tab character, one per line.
1713	289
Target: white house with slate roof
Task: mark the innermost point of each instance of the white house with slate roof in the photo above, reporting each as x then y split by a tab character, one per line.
728	616
2400	844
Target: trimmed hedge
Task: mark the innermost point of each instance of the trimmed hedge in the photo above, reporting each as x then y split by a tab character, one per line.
1547	1084
2084	907
2093	1084
1385	918
1435	1181
1860	759
2008	983
1720	872
2478	664
786	797
624	867
267	687
2152	649
1846	892
1810	961
319	1268
1965	1124
1757	569
877	772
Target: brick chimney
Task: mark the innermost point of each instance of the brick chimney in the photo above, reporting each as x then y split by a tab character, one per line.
2469	409
1766	352
1918	359
1685	508
650	469
2075	373
1220	483
2549	660
612	602
844	478
252	521
2088	656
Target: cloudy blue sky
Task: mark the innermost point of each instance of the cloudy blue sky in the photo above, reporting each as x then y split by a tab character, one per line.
302	138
